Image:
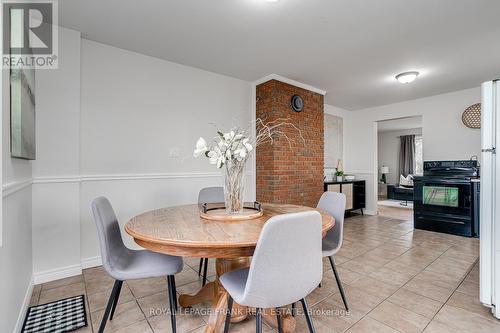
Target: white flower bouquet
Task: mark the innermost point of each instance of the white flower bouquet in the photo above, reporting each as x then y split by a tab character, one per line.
230	151
229	148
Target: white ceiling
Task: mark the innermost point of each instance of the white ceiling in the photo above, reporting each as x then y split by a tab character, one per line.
350	48
400	124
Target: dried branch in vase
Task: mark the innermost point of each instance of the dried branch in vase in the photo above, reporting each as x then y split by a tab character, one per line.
230	151
273	130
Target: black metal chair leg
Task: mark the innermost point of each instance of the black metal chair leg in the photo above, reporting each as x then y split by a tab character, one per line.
115	302
169	289
258	321
205	272
108	307
200	266
278	318
228	314
308	317
294	309
339	283
171	297
176	304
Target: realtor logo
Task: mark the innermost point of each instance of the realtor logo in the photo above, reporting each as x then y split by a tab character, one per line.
29	34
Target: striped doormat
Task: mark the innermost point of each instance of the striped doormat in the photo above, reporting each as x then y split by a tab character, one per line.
65	315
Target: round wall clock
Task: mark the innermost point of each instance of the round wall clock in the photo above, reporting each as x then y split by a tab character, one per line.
297	103
472	116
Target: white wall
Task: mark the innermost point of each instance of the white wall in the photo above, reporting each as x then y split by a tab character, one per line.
388	151
336	111
125	130
135	111
445	137
16	265
56	225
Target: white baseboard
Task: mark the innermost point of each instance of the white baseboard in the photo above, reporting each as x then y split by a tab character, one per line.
24	307
65	272
58	273
91	262
369	212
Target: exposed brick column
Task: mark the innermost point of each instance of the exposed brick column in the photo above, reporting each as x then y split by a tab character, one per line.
293	175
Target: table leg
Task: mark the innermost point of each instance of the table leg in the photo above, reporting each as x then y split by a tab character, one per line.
206	293
287	321
219	308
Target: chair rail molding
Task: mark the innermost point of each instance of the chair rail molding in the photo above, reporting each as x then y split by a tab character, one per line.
131	176
11	188
113	177
361	172
57	179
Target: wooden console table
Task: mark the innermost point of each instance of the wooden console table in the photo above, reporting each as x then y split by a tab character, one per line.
355	192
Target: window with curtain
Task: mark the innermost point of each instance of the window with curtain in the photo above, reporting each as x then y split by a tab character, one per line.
406	163
419	157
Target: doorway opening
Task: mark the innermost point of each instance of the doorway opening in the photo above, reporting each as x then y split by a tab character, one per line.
399	158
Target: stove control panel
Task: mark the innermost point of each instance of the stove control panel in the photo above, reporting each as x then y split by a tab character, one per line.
451	168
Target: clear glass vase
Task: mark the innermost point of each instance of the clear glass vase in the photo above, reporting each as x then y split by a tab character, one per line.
234	181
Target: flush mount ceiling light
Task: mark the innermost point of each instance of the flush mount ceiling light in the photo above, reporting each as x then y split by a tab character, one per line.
407	77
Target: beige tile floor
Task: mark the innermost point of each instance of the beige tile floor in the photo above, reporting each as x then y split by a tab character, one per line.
396	279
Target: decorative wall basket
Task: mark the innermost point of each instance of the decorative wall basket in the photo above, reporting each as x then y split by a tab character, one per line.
472	116
218	212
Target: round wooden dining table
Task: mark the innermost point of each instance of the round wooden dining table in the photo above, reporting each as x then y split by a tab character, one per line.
180	231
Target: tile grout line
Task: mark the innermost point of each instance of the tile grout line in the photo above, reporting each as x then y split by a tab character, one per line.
383	300
384	243
204	323
135	300
423	269
364	275
38	297
88	303
138	305
144	314
454	291
387	299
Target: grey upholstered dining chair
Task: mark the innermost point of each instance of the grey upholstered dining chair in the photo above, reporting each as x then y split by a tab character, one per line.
285	268
208	195
124	264
334	204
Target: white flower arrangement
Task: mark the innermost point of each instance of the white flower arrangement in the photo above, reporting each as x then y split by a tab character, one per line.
228	148
230	151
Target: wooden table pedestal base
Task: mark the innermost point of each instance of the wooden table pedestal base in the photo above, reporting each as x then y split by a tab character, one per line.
214	292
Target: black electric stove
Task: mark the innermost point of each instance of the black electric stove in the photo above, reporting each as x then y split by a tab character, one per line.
446	197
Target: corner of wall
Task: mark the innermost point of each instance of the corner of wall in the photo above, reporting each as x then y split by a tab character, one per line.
24	307
285	175
16	273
